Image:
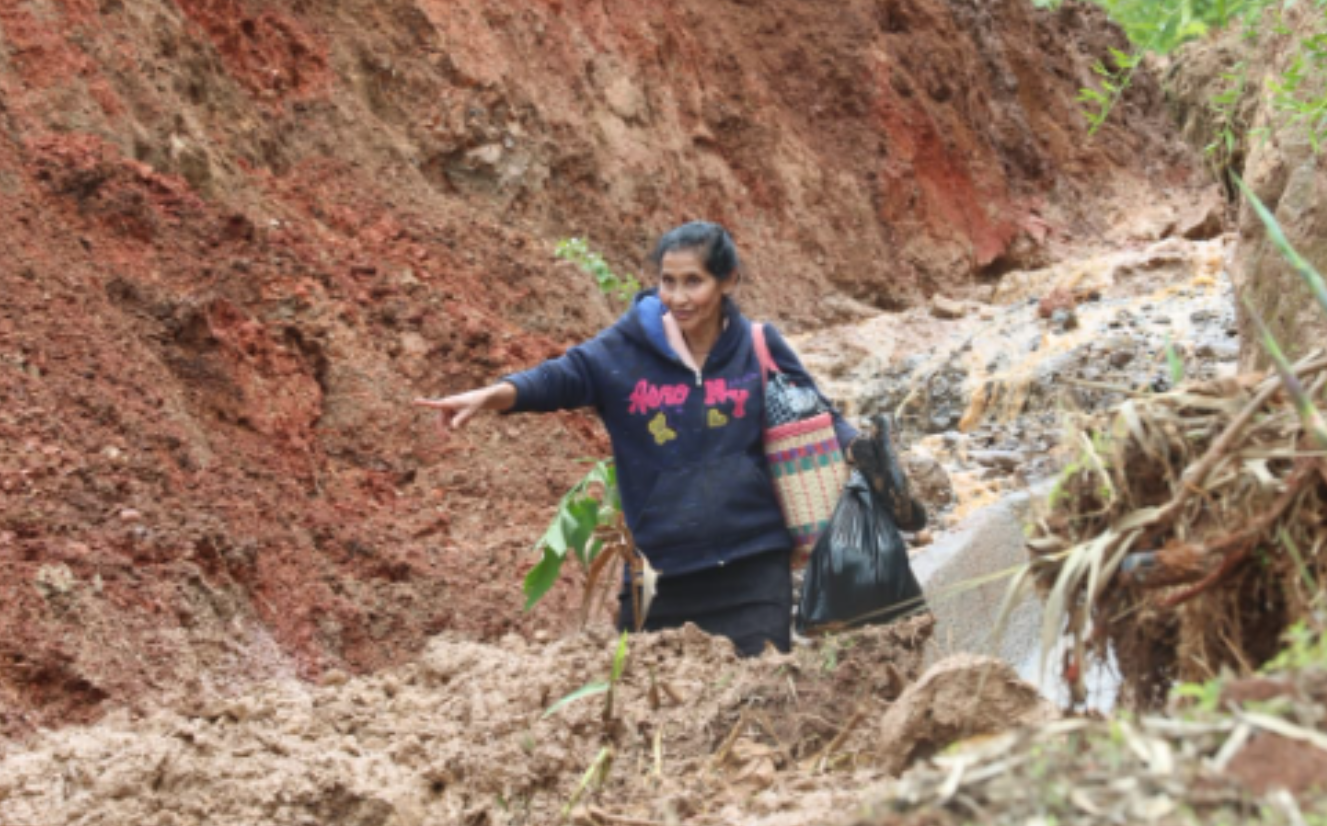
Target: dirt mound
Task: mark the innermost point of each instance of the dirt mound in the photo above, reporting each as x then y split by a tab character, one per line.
461	736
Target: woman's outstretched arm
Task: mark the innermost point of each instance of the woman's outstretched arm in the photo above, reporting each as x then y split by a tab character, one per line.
455	411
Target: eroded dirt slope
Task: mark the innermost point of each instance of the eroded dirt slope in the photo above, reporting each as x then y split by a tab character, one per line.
239	237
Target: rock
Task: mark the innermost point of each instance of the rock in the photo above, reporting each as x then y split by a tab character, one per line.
941	406
1057	299
1203	221
942	307
1063	320
1217	350
928	481
959	697
487	156
1120	358
624	98
1270	761
1003	459
335	677
54	580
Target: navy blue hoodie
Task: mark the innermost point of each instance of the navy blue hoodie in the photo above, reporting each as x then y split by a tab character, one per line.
691	468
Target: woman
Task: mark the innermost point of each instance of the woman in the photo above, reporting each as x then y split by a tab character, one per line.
677	382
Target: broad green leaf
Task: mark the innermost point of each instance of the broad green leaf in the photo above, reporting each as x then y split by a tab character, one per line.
1123	59
541	577
592	501
1193	29
553	540
577	521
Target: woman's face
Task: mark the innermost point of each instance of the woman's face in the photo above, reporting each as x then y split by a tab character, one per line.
690	292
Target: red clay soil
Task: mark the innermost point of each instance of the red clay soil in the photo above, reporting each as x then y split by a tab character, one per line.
239	237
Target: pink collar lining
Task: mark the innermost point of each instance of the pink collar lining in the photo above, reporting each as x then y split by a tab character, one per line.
679	342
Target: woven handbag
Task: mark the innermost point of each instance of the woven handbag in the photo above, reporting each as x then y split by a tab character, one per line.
805	459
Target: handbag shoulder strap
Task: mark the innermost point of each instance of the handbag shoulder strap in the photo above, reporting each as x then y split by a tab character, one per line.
767	364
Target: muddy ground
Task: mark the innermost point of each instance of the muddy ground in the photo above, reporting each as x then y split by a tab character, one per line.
242	580
462	736
245	234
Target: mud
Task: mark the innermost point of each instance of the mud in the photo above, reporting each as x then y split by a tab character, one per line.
244	235
980	395
242	580
460	735
463	736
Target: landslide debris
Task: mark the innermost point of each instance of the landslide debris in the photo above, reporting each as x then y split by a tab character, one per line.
1231	750
245	235
1188	533
695	735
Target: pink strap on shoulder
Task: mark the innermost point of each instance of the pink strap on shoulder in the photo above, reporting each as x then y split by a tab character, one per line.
767	364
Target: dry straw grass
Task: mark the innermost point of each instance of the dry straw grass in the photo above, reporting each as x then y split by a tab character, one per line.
1189	532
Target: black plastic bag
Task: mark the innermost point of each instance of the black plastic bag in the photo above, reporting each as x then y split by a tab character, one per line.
859	573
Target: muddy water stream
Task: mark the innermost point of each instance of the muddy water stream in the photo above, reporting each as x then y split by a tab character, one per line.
981	392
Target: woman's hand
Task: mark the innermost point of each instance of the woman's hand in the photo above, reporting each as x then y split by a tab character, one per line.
455	411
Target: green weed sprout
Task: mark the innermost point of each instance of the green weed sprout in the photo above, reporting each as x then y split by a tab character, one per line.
577	251
1174	362
592	689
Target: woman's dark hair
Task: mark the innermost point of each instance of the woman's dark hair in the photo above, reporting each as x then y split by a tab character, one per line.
711	243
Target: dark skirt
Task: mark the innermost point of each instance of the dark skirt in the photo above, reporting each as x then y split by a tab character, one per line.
749	601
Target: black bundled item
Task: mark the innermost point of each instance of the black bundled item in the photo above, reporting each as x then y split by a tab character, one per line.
874	456
859	573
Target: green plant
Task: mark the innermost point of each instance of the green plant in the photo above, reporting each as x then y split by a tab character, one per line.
595	776
1165	24
1174	362
1298	95
1312	419
591	502
1098	103
831	647
1206	696
591	525
589	517
602	687
577	251
1305	648
1224	106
